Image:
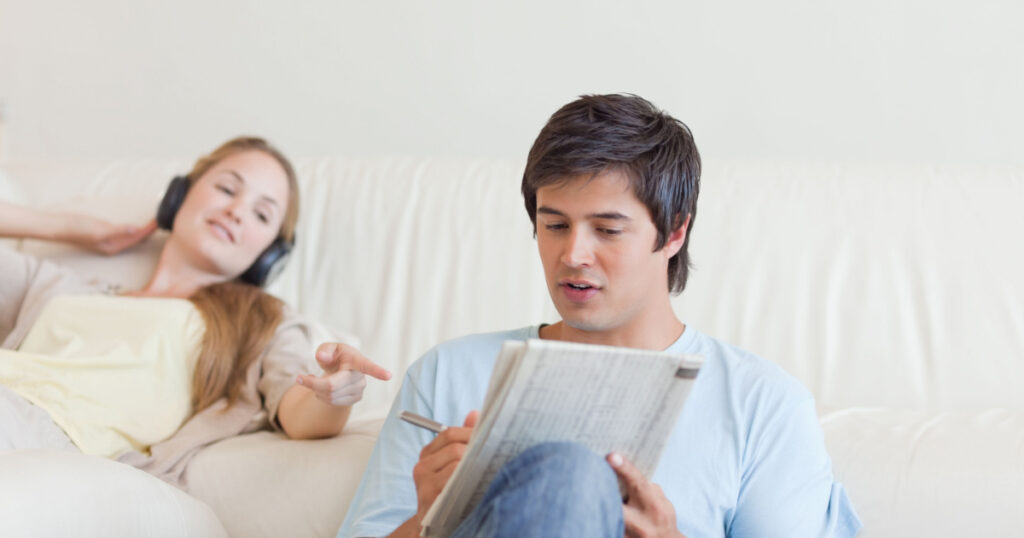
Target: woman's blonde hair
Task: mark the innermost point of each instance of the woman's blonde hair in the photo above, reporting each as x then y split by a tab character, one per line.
240	318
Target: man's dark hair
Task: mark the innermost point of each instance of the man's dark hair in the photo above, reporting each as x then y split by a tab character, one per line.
600	132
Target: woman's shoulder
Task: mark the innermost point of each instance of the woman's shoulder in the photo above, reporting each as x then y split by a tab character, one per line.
28	284
20	268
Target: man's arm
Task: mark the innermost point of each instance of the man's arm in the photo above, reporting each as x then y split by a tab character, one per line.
788	488
386	498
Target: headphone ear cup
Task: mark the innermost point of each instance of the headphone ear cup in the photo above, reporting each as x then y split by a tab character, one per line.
171	202
269	264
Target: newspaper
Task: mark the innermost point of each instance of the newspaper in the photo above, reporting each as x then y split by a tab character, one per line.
606	398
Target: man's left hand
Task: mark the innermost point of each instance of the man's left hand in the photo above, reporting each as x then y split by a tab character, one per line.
343	380
646	511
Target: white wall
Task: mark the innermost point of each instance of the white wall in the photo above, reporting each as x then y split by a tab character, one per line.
877	80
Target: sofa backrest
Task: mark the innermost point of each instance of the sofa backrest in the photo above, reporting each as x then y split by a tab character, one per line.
895	286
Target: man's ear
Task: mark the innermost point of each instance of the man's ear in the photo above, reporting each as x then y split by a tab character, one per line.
675	240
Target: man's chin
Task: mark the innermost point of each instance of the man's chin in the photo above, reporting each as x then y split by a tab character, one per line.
587	325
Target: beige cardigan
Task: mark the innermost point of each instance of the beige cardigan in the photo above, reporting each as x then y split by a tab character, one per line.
27	284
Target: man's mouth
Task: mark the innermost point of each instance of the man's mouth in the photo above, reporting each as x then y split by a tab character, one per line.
578	291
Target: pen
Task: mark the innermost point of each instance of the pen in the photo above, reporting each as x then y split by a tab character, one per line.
421	421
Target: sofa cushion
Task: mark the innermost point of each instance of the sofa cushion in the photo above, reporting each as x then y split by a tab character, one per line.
263	484
94	497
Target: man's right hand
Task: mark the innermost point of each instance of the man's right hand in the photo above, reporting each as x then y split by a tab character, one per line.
438	461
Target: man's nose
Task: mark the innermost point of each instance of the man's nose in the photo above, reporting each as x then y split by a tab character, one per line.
579	250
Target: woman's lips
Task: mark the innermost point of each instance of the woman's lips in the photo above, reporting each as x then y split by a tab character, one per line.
221	231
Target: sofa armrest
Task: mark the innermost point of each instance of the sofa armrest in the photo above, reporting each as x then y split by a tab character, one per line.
922	474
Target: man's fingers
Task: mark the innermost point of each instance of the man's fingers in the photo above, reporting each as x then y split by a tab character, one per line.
445	473
448	436
448	454
471	419
634	522
636	483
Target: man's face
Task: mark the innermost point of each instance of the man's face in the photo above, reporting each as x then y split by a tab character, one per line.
596	242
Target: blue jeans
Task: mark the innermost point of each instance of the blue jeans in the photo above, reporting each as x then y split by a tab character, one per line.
552	489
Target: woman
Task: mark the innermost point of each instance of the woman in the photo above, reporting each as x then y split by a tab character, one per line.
197	355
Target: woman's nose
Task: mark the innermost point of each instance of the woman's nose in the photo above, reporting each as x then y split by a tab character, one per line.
234	212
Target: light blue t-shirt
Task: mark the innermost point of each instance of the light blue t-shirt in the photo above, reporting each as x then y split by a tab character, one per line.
746	458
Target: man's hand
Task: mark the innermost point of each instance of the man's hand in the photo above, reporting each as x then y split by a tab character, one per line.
437	463
646	511
343	380
101	236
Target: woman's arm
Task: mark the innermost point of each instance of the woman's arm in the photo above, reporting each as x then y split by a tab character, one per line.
88	232
17	221
319	406
303	416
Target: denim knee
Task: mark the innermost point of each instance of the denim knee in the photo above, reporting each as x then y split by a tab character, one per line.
557	489
575	465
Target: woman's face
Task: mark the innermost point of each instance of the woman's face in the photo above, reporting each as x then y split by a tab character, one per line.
232	213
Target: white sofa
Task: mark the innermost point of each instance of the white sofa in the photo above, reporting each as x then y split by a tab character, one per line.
895	293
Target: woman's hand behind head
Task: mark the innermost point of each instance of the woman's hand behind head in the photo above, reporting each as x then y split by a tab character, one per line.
101	236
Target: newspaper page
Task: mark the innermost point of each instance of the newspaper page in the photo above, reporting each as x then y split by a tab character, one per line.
606	398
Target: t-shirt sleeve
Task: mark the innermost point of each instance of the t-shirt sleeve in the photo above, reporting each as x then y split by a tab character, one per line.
386	497
289	355
787	488
16	273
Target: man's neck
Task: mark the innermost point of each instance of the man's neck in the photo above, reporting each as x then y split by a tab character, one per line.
652	332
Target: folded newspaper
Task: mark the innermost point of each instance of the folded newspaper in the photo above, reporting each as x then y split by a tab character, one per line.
606	398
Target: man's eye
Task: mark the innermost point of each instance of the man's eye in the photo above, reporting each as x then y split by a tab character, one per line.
610	231
555	227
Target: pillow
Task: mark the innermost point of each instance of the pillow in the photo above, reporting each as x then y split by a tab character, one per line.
9	189
10	192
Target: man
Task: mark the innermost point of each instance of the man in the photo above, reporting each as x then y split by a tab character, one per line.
611	186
